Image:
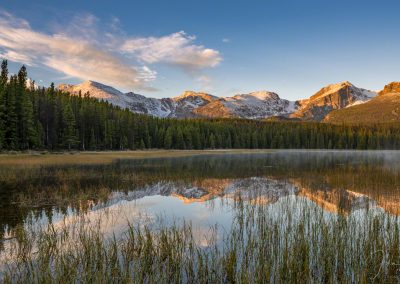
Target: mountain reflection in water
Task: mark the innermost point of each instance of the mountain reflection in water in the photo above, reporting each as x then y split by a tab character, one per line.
339	182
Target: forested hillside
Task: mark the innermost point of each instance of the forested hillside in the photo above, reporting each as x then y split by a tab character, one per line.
46	118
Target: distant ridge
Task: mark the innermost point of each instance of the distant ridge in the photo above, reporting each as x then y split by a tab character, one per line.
254	105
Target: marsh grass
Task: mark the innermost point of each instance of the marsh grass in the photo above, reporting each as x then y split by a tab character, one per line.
296	246
63	158
301	243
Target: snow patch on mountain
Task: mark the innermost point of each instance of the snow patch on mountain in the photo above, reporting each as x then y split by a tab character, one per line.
361	96
331	97
132	101
254	105
255	189
258	105
260	190
189	101
98	91
180	106
357	103
350	89
155	107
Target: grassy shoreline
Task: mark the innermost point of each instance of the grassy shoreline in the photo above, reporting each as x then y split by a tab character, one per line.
42	158
32	158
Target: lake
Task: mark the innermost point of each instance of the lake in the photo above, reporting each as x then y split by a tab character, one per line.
312	216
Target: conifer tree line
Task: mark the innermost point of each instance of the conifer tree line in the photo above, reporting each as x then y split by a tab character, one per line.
46	118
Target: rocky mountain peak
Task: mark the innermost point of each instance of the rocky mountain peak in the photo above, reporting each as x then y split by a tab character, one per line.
62	86
194	95
332	97
259	95
254	105
393	87
92	84
95	89
331	89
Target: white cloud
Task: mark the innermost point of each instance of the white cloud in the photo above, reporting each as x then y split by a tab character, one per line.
75	58
205	83
16	57
177	49
79	50
226	40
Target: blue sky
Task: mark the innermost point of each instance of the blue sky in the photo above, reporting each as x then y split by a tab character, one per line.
161	48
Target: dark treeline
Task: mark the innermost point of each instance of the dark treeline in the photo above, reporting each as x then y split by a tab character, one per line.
46	118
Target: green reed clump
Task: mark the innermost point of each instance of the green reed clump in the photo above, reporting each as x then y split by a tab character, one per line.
292	241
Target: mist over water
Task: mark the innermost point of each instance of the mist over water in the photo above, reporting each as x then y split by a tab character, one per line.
271	215
200	189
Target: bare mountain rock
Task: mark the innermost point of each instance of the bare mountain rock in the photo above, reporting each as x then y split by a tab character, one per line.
383	108
393	87
329	98
254	105
181	106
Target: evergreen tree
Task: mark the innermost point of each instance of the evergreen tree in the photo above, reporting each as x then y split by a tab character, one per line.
11	118
3	86
168	139
179	139
211	142
51	119
69	132
142	145
92	140
254	140
26	130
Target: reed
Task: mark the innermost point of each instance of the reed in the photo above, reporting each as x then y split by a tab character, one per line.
291	238
305	244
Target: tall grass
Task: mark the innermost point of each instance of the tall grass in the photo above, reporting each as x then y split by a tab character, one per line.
30	159
45	188
302	244
279	243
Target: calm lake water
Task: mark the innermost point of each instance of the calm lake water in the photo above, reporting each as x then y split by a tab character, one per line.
201	190
277	217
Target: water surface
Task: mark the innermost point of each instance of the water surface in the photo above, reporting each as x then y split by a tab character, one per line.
203	190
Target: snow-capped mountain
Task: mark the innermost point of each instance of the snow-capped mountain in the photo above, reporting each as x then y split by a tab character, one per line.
256	190
134	102
188	102
181	106
255	105
331	97
259	190
383	108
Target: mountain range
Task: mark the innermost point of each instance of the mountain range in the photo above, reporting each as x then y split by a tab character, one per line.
257	190
337	103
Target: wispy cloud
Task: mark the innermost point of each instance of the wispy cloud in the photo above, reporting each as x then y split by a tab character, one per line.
176	49
226	40
64	53
205	83
79	50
